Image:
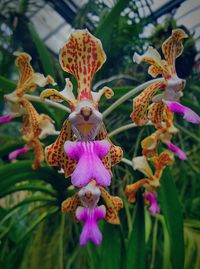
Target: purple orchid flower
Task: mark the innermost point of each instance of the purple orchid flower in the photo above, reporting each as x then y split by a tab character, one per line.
89	166
5	119
90	216
14	154
181	154
151	197
188	114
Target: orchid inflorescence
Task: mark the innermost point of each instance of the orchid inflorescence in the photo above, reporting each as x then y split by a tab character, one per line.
83	149
159	108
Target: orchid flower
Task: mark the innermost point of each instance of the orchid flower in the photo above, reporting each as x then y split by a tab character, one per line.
150	143
35	126
171	85
28	82
82	56
152	180
150	199
83	206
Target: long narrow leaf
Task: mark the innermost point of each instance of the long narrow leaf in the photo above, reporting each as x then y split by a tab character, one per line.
171	209
136	245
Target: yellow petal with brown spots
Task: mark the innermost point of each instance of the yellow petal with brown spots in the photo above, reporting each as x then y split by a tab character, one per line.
70	204
156	114
172	48
131	189
31	120
113	205
82	56
142	101
55	155
38	148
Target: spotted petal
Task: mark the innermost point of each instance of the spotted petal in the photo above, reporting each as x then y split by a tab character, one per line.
82	56
172	48
113	205
65	95
38	148
151	56
188	114
142	101
131	189
55	155
31	120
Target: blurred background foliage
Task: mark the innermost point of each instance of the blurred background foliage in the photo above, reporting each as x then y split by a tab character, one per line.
33	232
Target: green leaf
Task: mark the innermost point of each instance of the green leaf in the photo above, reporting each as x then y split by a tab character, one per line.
111	247
35	222
42	51
172	212
104	30
6	84
27	187
136	245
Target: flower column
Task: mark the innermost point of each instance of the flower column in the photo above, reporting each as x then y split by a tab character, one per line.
83	148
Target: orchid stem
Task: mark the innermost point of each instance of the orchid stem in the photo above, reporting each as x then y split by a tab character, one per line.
128	95
48	102
124	128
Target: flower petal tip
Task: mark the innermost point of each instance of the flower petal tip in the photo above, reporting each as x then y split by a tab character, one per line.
5	119
14	154
181	154
188	114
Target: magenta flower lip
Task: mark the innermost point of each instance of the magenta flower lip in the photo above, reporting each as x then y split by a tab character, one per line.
151	197
6	119
89	165
90	217
188	114
181	154
14	154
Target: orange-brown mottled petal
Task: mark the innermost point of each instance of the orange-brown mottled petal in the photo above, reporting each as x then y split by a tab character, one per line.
142	101
173	47
113	205
82	55
55	155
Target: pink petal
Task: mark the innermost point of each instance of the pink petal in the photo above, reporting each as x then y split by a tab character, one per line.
89	166
151	197
73	149
5	119
102	148
189	114
181	154
90	229
13	155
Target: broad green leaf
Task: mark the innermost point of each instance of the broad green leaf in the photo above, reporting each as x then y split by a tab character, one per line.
172	212
136	245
